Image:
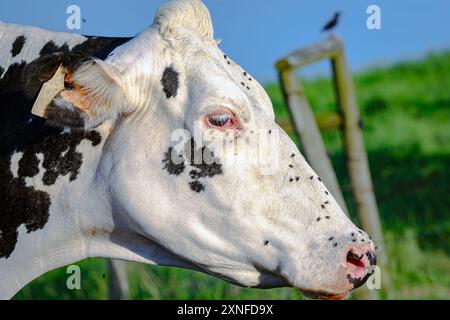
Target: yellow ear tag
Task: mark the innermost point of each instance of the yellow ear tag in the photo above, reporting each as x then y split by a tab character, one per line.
48	91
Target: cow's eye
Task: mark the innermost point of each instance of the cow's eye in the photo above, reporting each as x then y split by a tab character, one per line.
220	120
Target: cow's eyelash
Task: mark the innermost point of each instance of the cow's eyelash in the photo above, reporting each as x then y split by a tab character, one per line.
219	120
222	120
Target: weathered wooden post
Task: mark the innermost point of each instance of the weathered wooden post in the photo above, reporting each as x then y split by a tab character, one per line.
311	139
303	116
118	280
357	160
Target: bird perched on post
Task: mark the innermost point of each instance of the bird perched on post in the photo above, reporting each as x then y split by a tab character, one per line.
332	23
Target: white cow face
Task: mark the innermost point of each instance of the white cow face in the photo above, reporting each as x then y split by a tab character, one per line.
230	213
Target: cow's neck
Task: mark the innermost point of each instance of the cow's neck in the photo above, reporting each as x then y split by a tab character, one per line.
79	210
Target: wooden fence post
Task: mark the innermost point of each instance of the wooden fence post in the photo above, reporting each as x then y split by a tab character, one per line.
309	133
118	286
312	142
357	160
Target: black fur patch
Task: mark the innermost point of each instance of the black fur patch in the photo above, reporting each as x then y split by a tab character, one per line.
18	45
22	132
42	69
205	170
26	205
176	167
170	82
1	71
19	205
197	186
100	47
205	165
63	117
358	282
202	160
50	48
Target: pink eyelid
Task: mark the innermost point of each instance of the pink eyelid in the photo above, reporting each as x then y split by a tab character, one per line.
232	124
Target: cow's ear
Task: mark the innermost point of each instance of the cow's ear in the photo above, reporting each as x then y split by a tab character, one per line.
93	92
39	71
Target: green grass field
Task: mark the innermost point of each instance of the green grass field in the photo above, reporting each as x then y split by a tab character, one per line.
406	110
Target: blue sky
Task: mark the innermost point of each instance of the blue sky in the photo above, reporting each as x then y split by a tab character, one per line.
256	33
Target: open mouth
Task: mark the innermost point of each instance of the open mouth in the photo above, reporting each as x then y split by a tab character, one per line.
355	267
325	296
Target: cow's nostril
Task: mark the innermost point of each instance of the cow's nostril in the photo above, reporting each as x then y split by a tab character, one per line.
358	266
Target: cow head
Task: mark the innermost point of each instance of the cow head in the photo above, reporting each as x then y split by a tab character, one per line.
184	172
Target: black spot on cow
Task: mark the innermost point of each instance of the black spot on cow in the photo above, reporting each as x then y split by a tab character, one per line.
173	162
42	69
1	71
11	80
18	45
205	164
25	205
170	82
60	156
202	161
205	170
22	204
100	47
19	205
197	186
51	47
64	117
358	282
